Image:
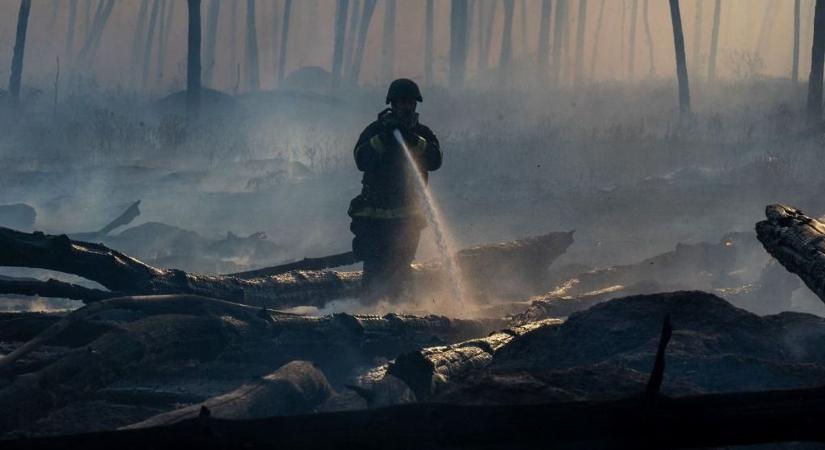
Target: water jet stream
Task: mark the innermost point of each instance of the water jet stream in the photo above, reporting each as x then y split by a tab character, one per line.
443	239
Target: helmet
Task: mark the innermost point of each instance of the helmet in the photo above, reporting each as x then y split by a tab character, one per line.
403	89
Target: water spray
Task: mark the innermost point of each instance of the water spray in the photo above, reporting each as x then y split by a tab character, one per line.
435	219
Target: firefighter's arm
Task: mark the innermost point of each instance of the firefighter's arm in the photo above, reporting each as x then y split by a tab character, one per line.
432	153
368	150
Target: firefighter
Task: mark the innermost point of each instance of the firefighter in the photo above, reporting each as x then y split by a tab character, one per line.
387	217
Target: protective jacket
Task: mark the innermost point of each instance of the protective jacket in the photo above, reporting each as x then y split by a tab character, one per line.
388	184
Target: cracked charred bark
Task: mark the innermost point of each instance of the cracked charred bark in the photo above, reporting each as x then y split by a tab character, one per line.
797	241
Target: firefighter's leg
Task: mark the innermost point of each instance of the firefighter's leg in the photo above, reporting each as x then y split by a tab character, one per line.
406	236
370	245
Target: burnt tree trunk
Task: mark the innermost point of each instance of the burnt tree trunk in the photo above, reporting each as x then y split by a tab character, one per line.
506	44
138	38
164	43
558	38
388	41
681	64
193	59
211	37
284	41
817	62
70	28
484	57
544	38
351	36
697	36
252	67
338	44
458	42
19	49
714	41
363	30
581	26
631	56
795	55
150	37
594	55
429	30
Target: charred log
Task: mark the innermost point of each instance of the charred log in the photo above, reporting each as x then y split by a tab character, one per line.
295	388
426	369
797	241
52	288
522	262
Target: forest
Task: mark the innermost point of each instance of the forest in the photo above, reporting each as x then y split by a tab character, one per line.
625	247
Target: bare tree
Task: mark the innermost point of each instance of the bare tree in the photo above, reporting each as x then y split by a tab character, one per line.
765	30
363	29
681	64
211	36
352	33
233	32
580	28
138	37
284	41
595	53
652	69
558	41
95	31
252	67
458	41
70	27
697	36
631	60
523	25
506	43
338	44
19	49
193	59
544	37
714	40
817	62
429	30
150	36
484	58
388	41
795	56
164	38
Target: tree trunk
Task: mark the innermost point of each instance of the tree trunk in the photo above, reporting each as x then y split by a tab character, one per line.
544	38
631	60
338	44
193	59
363	30
458	42
388	41
19	49
795	56
580	29
351	36
523	262
714	41
697	36
211	37
252	67
523	26
428	369
70	27
285	41
506	44
150	37
164	44
138	39
233	32
681	64
595	53
814	108
428	41
107	12
558	30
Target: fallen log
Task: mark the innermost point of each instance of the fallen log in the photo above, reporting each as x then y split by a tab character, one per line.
522	262
167	333
427	369
295	388
324	262
53	288
687	422
797	241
